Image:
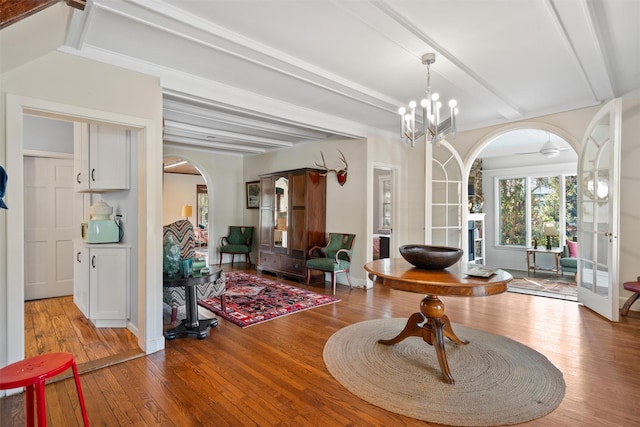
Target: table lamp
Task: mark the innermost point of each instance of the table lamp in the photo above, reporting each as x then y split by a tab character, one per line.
187	211
549	230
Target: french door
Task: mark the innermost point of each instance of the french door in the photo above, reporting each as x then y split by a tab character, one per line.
598	215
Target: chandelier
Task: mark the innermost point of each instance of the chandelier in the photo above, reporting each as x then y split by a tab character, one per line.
433	128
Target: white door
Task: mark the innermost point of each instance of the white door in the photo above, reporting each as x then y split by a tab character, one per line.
598	213
48	227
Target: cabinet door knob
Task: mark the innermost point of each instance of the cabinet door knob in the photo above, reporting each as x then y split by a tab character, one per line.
78	257
93	261
78	178
93	174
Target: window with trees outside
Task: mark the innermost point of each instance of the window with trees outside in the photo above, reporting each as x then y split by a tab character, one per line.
526	203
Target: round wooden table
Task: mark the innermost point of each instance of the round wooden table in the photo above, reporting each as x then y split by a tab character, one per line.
431	323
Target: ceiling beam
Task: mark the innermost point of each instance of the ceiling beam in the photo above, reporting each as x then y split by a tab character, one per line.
241	137
205	111
181	142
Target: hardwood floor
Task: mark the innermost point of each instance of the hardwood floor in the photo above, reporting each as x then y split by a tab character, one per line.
273	373
56	324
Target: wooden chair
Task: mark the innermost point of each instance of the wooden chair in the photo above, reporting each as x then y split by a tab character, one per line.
238	241
333	258
632	287
174	297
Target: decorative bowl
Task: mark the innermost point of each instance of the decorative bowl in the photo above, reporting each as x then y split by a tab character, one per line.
431	257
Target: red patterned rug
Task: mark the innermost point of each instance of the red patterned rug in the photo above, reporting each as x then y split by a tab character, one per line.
252	299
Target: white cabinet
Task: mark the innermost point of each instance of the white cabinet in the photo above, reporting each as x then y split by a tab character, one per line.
476	238
102	157
101	283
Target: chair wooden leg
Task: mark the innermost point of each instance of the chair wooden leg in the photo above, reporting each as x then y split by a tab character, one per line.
627	305
349	279
248	260
232	257
220	262
308	277
333	281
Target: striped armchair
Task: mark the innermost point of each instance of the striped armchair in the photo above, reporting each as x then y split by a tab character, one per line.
174	298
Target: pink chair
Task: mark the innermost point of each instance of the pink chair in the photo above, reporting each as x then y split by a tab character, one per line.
632	287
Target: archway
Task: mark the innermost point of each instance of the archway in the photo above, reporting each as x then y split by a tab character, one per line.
517	153
183	183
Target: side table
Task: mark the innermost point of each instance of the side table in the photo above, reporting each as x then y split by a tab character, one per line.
531	252
191	325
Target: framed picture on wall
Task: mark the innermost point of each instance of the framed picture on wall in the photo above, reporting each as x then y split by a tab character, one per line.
253	194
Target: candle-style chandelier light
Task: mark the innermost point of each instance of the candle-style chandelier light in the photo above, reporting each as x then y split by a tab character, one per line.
432	127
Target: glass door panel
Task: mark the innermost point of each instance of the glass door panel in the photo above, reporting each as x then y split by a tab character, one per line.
281	212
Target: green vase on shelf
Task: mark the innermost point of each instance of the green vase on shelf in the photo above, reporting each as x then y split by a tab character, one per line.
171	257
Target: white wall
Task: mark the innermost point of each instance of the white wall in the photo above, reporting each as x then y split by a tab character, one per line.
37	79
178	190
409	180
629	234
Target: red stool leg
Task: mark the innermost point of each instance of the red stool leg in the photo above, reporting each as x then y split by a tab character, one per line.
76	376
29	405
41	404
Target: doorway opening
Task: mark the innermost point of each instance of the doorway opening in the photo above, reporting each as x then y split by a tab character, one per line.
382	212
186	196
53	211
528	199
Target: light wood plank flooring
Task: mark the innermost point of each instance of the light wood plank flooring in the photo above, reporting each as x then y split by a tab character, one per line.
272	374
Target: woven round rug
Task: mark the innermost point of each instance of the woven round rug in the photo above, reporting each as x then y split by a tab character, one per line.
498	381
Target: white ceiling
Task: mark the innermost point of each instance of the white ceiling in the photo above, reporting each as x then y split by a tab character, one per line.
255	75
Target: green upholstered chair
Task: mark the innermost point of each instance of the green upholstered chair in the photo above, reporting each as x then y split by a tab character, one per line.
174	298
333	258
238	241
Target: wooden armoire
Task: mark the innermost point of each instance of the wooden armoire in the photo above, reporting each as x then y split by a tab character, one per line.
292	220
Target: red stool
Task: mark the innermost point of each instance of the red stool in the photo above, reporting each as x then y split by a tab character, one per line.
635	288
32	373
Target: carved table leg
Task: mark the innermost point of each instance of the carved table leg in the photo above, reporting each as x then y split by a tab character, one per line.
448	331
411	329
432	325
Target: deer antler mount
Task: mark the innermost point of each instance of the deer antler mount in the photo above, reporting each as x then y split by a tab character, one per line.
341	174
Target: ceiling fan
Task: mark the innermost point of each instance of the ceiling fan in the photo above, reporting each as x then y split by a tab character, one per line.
549	149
